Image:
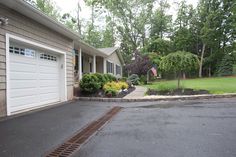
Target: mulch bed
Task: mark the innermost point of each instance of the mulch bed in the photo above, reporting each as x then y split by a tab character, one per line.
185	91
101	94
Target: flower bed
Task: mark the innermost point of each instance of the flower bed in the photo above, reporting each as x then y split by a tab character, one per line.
103	85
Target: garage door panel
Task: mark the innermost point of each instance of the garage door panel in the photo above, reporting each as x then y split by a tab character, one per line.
49	96
19	84
22	67
22	59
43	69
23	76
48	76
49	83
45	90
24	100
23	92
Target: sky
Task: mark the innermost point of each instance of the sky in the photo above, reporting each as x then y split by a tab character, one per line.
71	5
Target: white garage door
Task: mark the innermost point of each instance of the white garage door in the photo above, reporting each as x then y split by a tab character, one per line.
34	78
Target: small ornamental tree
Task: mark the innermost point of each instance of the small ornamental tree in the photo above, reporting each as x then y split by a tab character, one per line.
179	62
140	64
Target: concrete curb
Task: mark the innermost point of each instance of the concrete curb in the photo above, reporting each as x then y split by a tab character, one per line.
143	99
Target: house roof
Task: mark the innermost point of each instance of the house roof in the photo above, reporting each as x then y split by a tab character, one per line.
110	50
29	11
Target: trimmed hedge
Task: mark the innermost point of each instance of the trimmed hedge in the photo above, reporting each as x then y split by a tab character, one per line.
90	83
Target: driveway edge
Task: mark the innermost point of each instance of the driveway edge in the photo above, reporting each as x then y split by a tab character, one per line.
154	98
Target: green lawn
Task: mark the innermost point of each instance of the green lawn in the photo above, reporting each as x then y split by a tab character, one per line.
217	85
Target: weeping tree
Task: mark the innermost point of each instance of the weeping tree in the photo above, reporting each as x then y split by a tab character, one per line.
179	62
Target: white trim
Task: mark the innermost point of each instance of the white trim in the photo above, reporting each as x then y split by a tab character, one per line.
104	66
94	64
7	74
113	67
80	64
8	37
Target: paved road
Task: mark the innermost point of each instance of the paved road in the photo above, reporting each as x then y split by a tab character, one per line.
168	129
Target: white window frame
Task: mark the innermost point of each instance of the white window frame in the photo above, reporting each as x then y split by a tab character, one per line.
9	38
120	69
113	71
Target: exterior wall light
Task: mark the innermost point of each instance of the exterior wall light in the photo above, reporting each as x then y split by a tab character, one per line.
3	21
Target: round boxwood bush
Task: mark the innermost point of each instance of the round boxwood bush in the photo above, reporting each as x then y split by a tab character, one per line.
90	83
101	78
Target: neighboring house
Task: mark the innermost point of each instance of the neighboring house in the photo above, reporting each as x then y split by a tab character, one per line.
37	59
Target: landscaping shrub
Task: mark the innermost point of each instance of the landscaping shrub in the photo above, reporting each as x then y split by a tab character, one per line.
115	85
101	78
110	87
134	79
109	77
143	79
90	83
123	85
124	79
111	92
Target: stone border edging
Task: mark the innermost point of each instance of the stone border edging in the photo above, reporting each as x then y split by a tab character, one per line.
143	99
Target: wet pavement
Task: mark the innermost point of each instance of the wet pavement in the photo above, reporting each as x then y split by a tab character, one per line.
205	128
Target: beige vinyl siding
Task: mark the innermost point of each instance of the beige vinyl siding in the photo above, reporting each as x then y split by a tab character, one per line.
115	60
24	27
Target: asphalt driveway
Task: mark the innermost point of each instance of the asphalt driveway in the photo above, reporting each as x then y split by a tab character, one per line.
34	134
168	129
204	128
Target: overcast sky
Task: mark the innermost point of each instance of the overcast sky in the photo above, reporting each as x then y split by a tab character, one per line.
71	5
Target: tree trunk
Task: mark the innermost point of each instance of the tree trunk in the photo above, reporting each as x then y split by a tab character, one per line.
78	18
184	75
179	80
201	61
209	71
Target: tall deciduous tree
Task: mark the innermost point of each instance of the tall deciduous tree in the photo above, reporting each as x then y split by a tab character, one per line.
46	6
160	21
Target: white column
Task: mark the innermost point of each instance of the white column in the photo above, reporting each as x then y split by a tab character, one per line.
94	63
104	66
80	64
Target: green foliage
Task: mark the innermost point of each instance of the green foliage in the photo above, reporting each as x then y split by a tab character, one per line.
217	85
161	22
111	92
90	83
179	61
109	77
143	79
226	66
46	6
123	79
93	36
234	69
101	78
159	46
134	79
115	85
